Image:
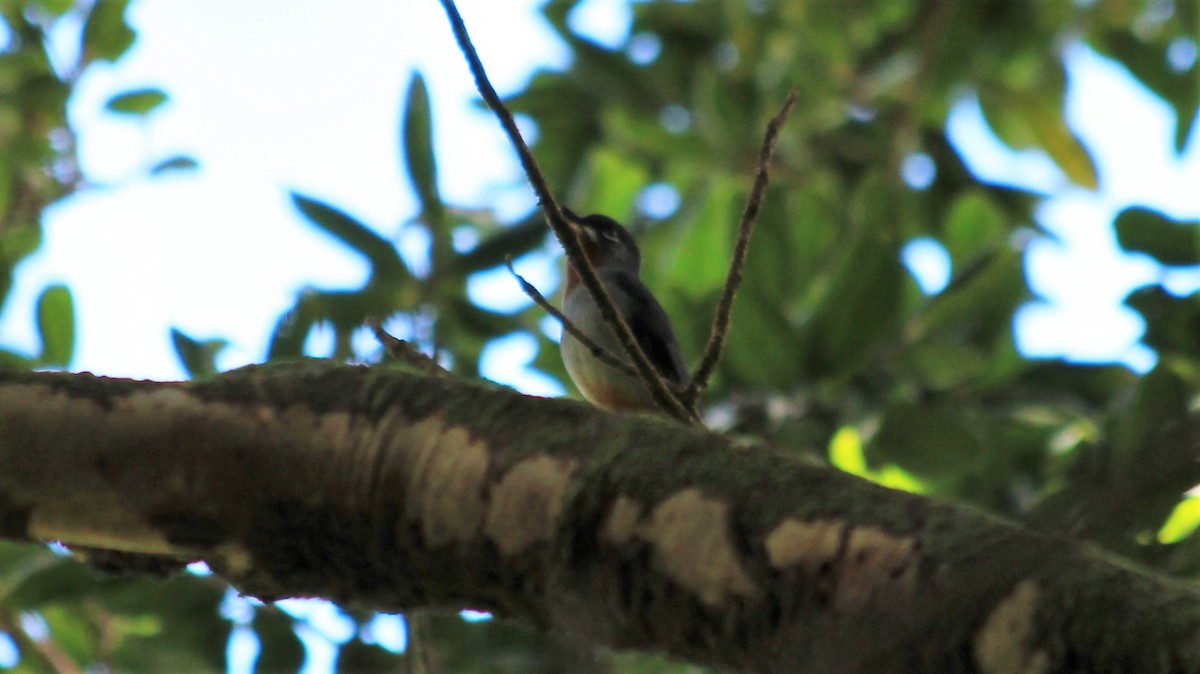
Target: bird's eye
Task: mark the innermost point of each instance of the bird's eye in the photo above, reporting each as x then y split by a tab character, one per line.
610	235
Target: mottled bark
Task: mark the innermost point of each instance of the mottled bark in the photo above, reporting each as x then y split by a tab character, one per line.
392	490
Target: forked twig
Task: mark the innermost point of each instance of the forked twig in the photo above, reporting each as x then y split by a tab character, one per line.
720	324
568	237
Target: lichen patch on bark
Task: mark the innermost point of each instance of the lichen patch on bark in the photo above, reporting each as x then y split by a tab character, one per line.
445	489
155	403
622	521
875	563
864	563
237	560
693	546
527	503
810	545
1002	644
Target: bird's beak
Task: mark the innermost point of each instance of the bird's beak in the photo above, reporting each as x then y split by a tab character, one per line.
576	223
571	218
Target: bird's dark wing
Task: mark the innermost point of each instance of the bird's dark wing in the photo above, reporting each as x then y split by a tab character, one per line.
652	328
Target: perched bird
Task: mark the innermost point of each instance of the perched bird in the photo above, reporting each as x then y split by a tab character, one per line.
617	261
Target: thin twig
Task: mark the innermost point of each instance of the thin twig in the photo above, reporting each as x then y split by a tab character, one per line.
404	351
720	324
567	236
598	352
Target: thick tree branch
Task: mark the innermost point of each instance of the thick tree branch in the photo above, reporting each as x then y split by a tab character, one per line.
396	490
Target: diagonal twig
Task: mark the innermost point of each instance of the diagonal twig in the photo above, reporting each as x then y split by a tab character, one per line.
598	352
404	351
720	325
567	236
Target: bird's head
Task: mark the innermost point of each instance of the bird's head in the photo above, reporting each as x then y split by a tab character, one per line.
607	244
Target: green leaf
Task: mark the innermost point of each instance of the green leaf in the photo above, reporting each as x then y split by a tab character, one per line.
1172	322
1182	522
14	361
198	357
15	245
1091	387
515	240
1163	395
55	7
281	650
703	253
792	255
421	163
978	304
176	163
5	183
50	580
1148	62
171	626
613	184
940	366
564	140
418	141
18	243
1130	483
1170	242
17	560
1034	119
726	113
860	309
73	632
136	102
935	441
761	349
974	225
106	35
1061	143
42	100
356	657
385	261
56	325
846	453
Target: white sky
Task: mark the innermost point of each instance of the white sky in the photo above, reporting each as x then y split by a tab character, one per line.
302	94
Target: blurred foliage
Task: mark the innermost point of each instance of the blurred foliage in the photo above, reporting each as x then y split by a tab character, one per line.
60	619
428	297
199	358
47	46
835	350
56	325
